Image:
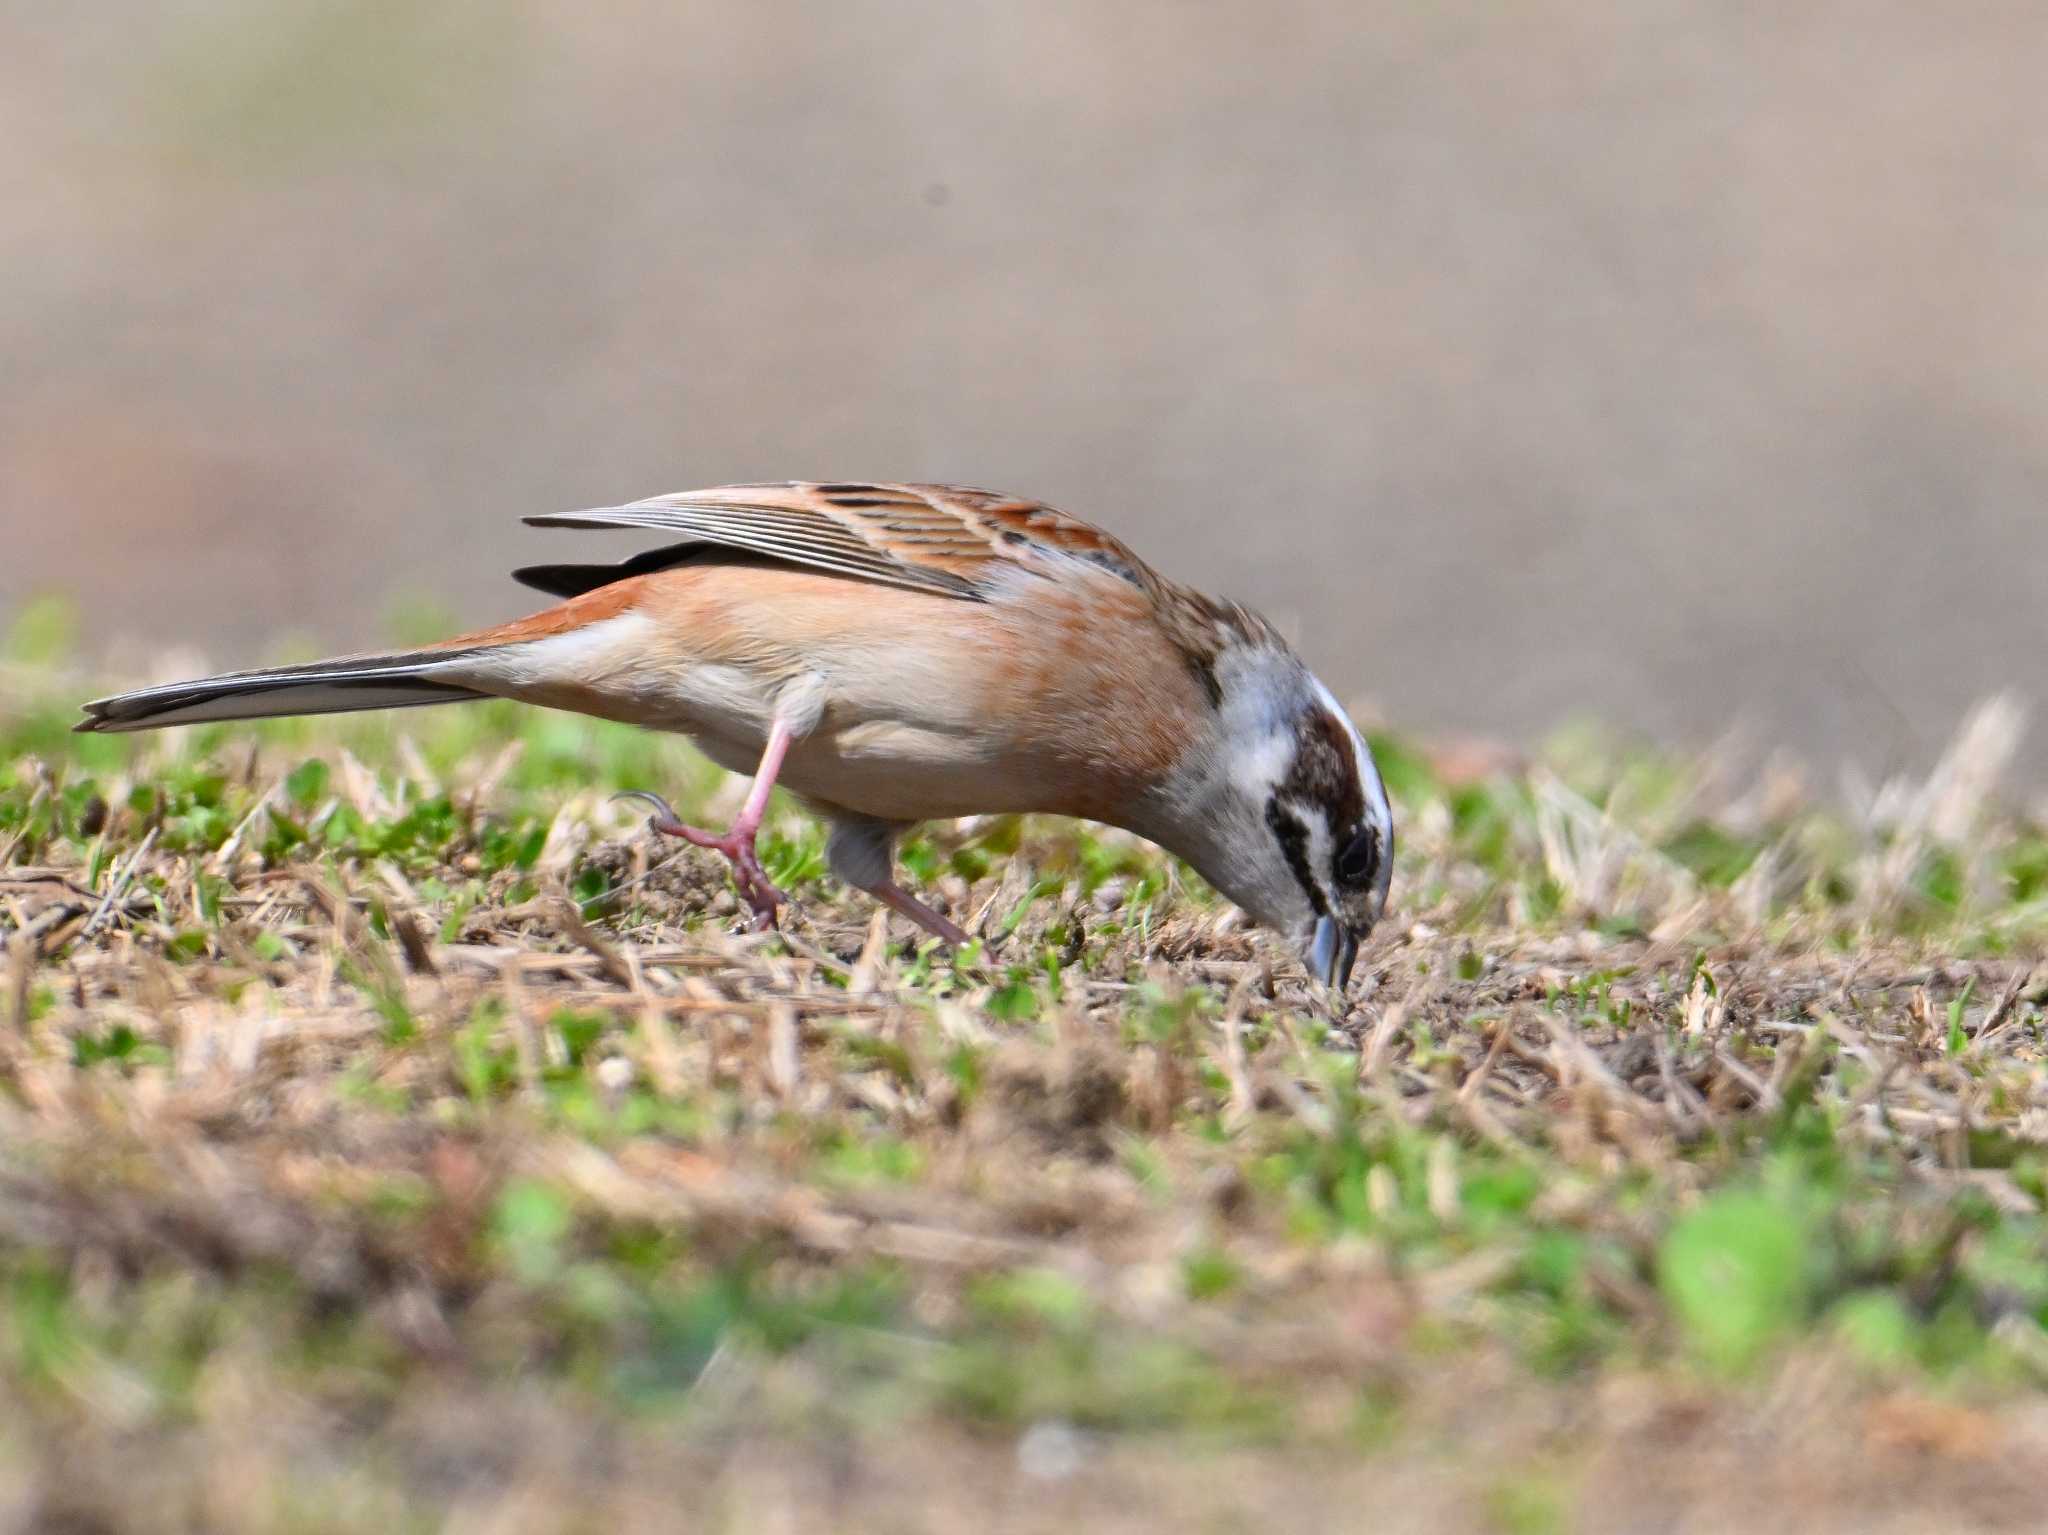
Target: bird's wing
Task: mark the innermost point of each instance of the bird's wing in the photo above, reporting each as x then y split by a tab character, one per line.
935	538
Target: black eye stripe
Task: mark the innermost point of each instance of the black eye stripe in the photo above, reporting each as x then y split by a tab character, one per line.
1293	835
1324	773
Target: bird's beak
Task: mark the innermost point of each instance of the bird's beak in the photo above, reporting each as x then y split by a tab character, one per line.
1332	953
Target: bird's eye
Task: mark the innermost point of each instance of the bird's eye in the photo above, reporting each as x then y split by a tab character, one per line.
1360	859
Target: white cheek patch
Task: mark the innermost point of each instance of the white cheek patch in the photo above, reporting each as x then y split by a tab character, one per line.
1262	762
1322	851
1261	692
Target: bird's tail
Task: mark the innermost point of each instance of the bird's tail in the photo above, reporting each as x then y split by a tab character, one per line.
530	659
394	680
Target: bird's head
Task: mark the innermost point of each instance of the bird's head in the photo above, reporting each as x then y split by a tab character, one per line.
1282	809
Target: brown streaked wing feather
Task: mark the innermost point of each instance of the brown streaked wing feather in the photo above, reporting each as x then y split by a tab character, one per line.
1013	528
943	537
947	538
772	521
1200	624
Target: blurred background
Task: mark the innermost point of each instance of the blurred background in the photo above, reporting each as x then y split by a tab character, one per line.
1678	363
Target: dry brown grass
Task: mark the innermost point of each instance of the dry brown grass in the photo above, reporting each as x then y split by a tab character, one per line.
349	1182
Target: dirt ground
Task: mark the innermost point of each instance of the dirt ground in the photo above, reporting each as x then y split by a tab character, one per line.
393	1136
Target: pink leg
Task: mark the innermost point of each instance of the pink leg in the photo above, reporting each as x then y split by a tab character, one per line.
737	843
896	898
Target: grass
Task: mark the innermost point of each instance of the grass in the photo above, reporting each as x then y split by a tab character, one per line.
393	1135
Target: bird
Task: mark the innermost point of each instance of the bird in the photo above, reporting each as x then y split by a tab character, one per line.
898	653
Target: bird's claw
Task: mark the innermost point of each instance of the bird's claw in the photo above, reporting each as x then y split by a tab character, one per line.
665	818
755	888
748	876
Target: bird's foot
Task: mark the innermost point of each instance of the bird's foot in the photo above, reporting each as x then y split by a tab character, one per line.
896	898
737	847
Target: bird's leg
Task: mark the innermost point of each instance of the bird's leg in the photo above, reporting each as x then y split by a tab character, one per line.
896	898
737	841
